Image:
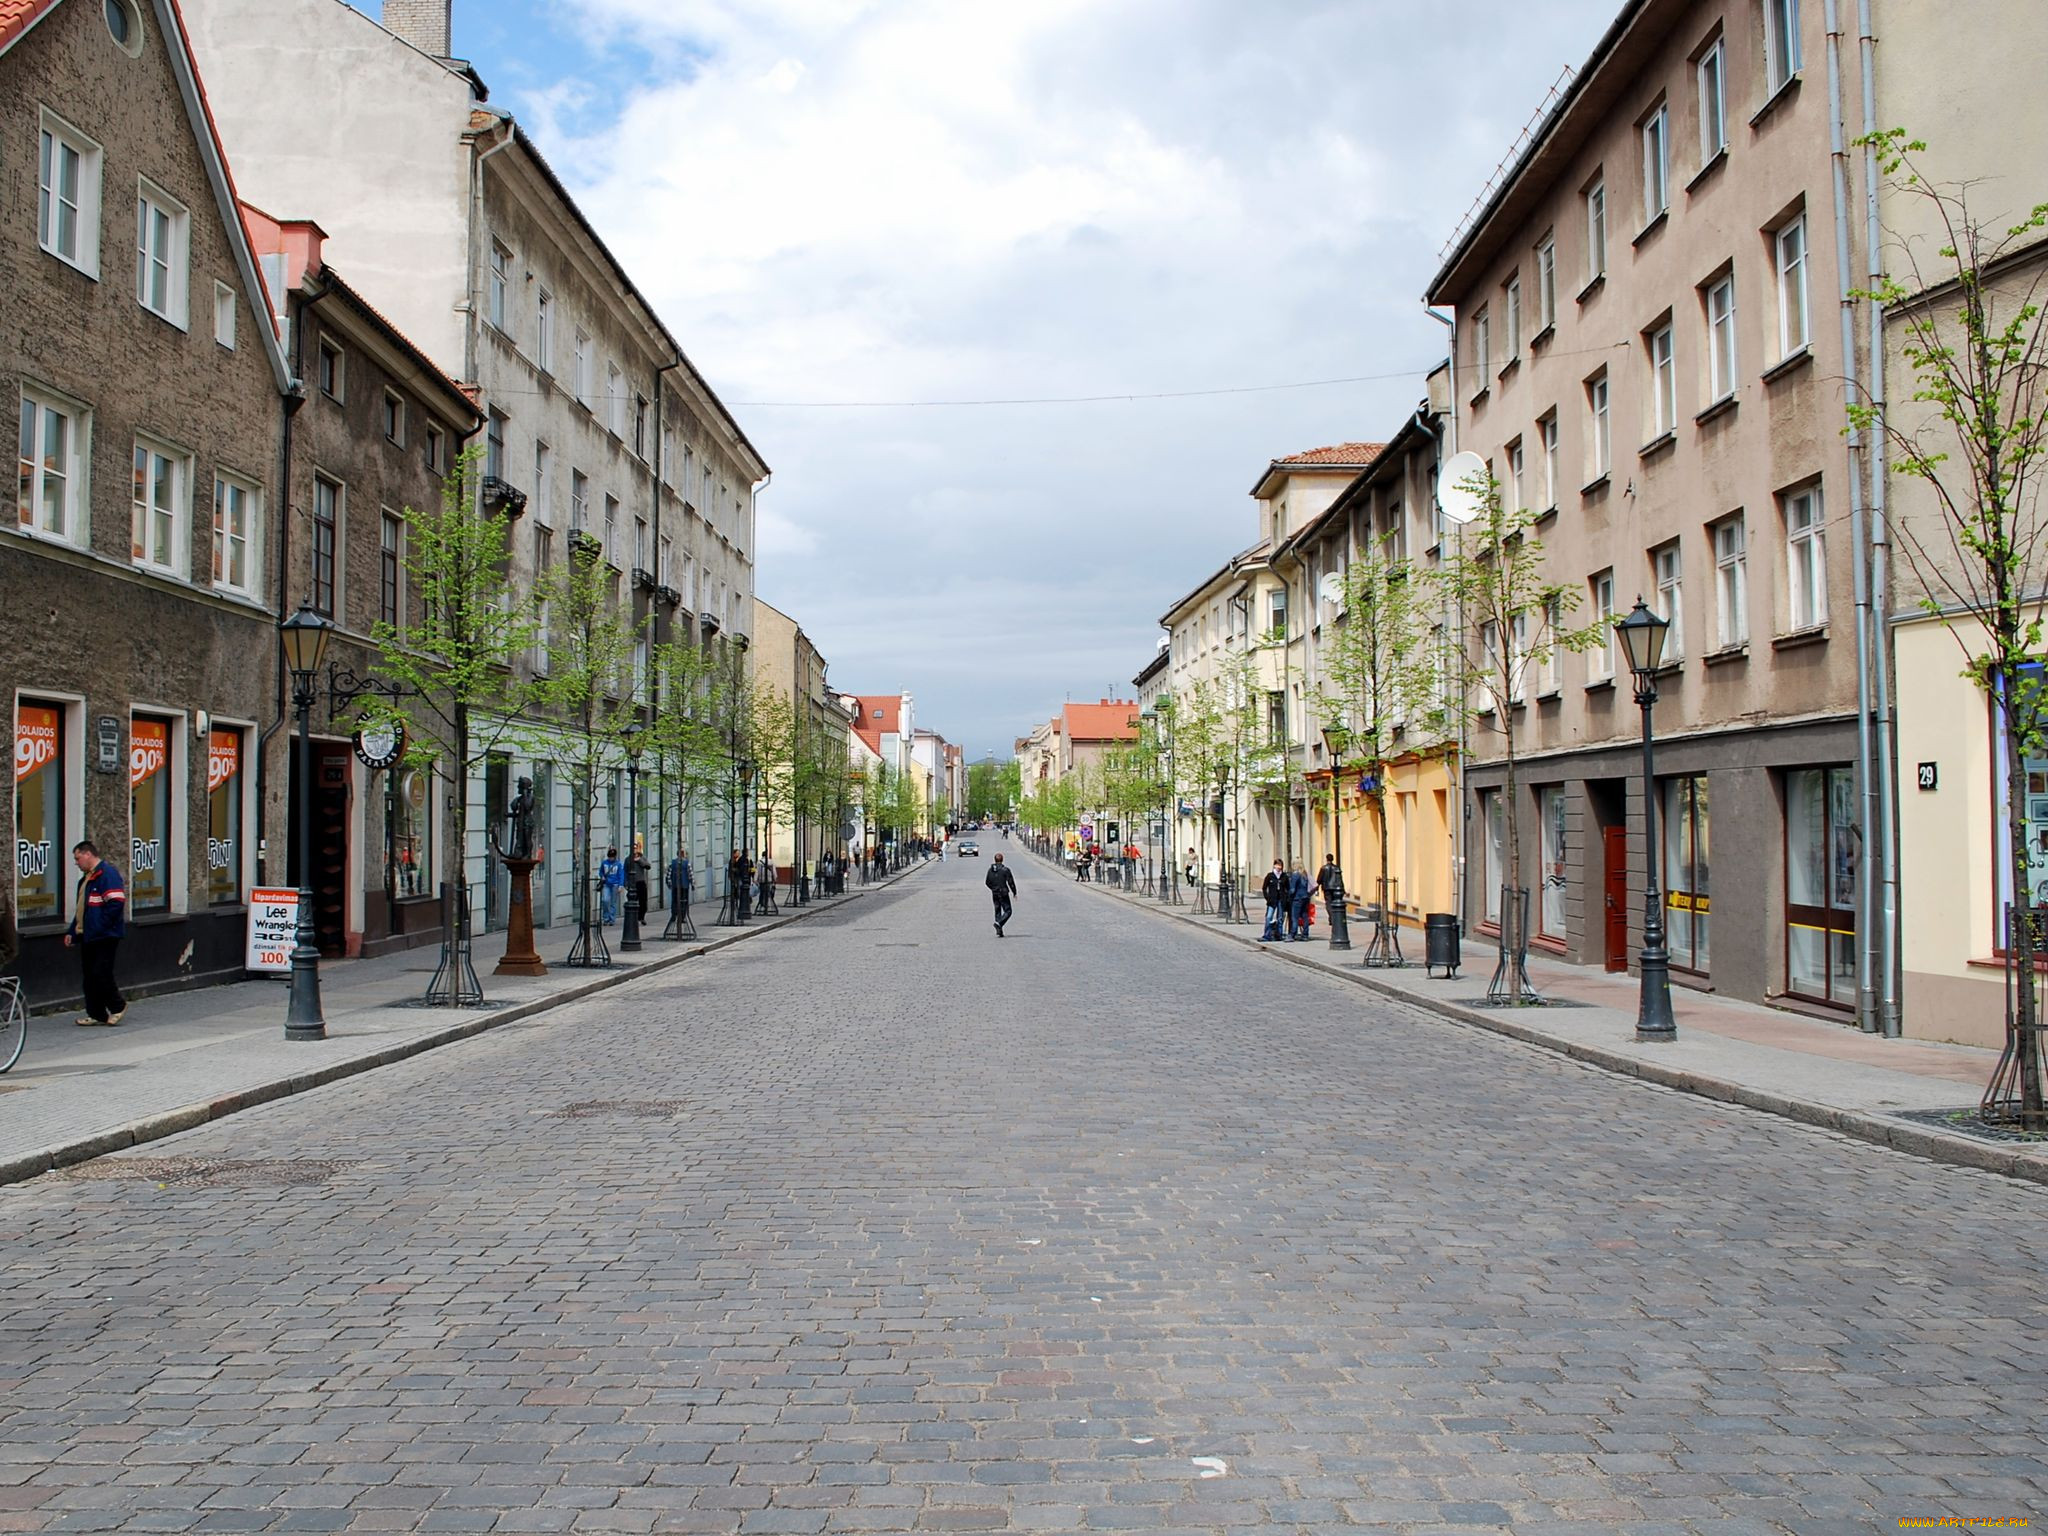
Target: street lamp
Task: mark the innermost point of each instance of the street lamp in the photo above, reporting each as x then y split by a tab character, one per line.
305	645
1337	738
636	864
1642	641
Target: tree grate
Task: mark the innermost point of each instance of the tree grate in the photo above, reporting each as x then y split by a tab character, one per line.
213	1172
639	1109
1966	1121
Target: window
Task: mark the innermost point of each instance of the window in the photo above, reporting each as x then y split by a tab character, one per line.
328	370
436	449
1550	816
235	525
543	477
1663	381
494	444
1596	230
1781	42
1600	659
544	331
51	499
611	529
224	315
1600	443
665	572
1513	306
224	815
1713	81
1686	923
543	559
1494	867
326	542
1276	612
390	548
1823	861
1548	664
640	544
151	837
1806	562
1656	164
1518	499
583	374
1546	284
1731	583
412	831
41	766
1548	428
614	399
1276	719
1790	242
640	426
1669	569
68	195
668	455
163	236
500	292
579	500
1492	665
159	507
394	418
1482	347
122	25
1721	337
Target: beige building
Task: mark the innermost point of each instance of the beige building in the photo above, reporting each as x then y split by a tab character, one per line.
785	660
1644	353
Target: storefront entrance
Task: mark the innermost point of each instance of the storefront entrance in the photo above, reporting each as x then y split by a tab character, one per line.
329	880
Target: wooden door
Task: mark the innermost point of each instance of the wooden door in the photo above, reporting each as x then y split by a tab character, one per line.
1614	845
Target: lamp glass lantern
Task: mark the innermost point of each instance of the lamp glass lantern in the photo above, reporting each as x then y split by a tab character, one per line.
1642	640
305	643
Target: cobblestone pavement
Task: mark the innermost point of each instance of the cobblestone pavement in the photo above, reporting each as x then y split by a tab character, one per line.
884	1223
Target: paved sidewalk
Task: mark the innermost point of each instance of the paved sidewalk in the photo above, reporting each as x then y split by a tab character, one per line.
184	1058
1766	1058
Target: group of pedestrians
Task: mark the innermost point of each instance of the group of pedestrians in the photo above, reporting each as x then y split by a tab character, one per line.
1291	899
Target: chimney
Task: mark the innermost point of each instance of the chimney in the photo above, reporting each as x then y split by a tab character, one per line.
426	24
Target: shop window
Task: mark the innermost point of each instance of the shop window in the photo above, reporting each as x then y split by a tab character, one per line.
2028	700
1550	910
1823	857
150	840
40	761
1686	921
1495	868
224	816
409	850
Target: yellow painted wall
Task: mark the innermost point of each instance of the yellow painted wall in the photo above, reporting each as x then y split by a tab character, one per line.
1418	837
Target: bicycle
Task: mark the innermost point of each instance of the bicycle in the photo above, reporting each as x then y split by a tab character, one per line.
13	1022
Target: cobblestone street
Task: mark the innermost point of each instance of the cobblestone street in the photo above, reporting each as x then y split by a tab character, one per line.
882	1223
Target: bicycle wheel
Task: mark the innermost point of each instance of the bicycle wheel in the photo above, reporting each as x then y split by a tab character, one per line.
13	1026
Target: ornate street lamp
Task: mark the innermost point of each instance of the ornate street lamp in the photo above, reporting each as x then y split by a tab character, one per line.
636	865
1338	738
1642	641
305	645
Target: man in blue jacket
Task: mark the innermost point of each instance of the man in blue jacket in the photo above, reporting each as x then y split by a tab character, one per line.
97	928
1299	892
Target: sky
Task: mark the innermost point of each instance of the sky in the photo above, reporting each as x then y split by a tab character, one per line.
860	215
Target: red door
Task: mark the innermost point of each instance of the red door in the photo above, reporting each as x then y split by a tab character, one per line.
1614	843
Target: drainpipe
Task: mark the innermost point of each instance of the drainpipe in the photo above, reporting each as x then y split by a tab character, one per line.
1859	462
1888	978
1447	445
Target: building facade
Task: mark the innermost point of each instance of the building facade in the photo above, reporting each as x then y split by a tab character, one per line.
786	660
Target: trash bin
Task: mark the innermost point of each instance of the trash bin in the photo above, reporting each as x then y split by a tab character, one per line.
1440	944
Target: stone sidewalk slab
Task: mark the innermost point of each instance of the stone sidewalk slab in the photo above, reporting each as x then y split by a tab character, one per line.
184	1058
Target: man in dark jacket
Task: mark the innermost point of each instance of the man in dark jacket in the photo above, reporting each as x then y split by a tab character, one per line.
96	929
1003	886
1275	891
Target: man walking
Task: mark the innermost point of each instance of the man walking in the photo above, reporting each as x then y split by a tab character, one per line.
611	879
1299	893
97	928
1003	886
1274	889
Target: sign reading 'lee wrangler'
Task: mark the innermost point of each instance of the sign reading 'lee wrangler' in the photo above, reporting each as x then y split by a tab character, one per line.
273	930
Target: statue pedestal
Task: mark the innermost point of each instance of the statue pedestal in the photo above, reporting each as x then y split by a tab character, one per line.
521	958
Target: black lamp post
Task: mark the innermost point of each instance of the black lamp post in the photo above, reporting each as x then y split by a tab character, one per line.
1337	738
305	644
636	864
1642	640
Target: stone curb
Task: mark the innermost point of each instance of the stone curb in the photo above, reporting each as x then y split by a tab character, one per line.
1900	1136
30	1165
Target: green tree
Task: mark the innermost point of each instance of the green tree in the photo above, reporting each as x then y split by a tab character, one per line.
453	680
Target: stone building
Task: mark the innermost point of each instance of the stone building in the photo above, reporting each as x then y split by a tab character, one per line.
138	581
786	660
597	426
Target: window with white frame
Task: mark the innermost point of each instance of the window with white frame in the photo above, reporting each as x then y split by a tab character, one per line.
639	426
68	194
1546	284
640	544
1600	442
1491	665
1790	244
611	528
543	482
544	331
1721	375
668	455
1712	73
1600	658
1731	583
500	293
163	248
1596	230
390	569
1547	427
1781	42
159	507
1517	480
1482	346
51	499
495	425
665	572
584	377
543	558
237	526
1656	164
1547	669
614	399
1511	305
1806	563
1663	381
1519	651
579	501
224	315
1668	567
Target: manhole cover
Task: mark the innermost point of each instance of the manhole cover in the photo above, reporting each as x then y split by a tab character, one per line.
1965	1122
213	1172
641	1109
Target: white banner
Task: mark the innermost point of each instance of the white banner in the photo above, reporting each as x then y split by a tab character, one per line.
273	930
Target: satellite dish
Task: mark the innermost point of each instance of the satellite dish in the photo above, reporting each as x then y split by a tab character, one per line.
1460	502
1331	588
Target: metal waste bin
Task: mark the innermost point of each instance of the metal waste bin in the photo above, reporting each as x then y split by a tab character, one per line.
1440	944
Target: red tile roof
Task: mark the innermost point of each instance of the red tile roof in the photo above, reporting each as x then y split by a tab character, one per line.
1111	720
1339	455
881	714
17	16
